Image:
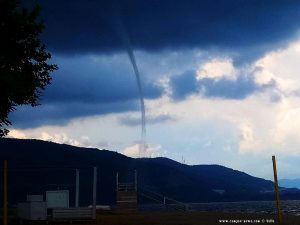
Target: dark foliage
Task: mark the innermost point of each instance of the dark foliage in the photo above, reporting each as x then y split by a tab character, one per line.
24	71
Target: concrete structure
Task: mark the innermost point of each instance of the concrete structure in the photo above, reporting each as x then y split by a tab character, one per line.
34	209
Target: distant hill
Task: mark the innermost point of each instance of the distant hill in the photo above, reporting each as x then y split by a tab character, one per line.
290	183
36	166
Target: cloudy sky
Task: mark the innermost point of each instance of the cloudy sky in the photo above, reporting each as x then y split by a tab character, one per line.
220	80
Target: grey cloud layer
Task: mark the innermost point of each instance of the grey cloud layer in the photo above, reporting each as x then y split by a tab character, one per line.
86	86
62	113
246	28
239	88
134	121
96	79
97	85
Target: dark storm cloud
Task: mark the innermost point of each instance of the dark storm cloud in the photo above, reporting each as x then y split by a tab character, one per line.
239	88
86	86
96	80
62	113
183	85
246	28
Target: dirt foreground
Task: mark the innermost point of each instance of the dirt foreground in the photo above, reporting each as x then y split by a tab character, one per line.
191	218
172	218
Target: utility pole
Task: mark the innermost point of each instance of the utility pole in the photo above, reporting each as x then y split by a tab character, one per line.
77	189
135	180
279	215
117	181
94	192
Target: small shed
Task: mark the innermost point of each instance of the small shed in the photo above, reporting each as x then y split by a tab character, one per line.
33	209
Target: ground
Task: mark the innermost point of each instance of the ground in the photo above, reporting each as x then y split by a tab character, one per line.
191	218
178	218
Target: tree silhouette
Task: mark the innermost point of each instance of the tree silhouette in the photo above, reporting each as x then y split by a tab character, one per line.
24	71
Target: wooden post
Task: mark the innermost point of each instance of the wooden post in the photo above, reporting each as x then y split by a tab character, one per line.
94	192
279	215
5	192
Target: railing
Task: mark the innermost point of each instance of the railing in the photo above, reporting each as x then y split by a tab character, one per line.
126	187
165	201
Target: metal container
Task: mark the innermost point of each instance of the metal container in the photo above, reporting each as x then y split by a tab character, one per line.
57	199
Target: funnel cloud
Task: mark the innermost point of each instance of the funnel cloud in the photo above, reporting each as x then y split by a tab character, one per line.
125	39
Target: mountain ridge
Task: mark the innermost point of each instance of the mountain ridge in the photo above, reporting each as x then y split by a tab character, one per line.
36	166
290	183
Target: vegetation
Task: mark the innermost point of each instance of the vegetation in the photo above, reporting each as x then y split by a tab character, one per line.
24	71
